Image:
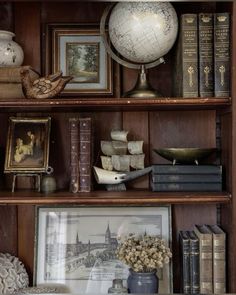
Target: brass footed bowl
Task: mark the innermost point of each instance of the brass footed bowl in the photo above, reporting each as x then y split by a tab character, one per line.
185	155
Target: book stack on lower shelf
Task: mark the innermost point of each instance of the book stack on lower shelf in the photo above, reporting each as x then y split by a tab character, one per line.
186	178
203	260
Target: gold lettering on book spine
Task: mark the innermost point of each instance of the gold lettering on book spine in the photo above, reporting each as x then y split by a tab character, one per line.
206	72
222	75
191	73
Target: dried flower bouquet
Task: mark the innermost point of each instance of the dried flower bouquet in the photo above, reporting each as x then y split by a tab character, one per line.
143	253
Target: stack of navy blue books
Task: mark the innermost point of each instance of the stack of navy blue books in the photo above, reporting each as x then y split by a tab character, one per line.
166	178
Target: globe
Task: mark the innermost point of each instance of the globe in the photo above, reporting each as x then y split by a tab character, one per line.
142	32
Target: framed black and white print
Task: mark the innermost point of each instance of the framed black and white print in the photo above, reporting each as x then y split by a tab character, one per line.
78	51
76	246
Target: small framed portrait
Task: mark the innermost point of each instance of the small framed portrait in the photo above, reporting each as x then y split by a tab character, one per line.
71	250
27	145
78	51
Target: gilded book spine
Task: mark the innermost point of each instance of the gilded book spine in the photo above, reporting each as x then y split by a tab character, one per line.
205	33
74	157
85	162
219	275
205	258
189	55
222	54
184	244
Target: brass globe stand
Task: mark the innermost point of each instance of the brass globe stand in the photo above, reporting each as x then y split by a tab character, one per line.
142	88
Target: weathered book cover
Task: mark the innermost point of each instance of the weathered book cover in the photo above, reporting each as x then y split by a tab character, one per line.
182	178
222	54
194	262
10	81
187	187
186	169
219	275
74	154
185	252
12	74
85	154
186	63
205	258
206	69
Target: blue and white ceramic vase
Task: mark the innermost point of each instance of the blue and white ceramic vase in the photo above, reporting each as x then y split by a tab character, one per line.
11	54
142	282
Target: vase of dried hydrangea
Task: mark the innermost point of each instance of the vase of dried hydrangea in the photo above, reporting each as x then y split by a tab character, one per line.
142	282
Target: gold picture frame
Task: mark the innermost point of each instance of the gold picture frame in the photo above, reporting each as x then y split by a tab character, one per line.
27	149
78	51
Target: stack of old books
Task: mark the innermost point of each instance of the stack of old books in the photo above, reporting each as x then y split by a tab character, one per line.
203	260
181	178
10	81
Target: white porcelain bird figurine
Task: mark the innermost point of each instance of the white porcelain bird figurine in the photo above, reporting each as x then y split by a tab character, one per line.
44	87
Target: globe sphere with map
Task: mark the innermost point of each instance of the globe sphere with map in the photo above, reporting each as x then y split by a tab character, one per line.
142	32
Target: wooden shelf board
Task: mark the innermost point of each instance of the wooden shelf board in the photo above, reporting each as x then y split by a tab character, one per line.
115	103
113	198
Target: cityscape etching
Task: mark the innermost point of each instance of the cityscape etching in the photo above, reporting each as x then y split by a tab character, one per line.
76	246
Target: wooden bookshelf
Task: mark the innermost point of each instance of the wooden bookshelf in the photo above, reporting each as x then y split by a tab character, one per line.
163	122
136	197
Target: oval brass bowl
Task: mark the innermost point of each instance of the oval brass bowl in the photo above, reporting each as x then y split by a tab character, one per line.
185	155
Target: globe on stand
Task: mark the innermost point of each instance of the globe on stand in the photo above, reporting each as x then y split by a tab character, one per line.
142	33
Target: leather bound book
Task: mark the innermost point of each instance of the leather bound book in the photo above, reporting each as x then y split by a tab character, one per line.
187	187
186	169
206	69
219	252
74	154
186	62
222	54
186	178
10	81
85	154
194	262
205	258
184	250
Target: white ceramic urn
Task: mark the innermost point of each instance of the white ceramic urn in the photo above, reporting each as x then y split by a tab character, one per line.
11	54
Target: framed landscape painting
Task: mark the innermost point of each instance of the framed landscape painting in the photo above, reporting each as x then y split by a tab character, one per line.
78	51
76	246
27	145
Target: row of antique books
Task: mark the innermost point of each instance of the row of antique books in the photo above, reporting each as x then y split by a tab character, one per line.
80	154
166	178
203	260
202	65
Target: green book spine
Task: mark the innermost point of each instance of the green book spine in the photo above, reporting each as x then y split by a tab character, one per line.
222	54
205	34
185	68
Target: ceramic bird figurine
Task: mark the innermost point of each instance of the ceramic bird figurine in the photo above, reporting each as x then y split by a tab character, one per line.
44	87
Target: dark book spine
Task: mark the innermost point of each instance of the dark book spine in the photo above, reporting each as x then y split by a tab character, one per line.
74	155
194	263
181	187
186	169
189	54
222	54
179	178
85	162
185	251
206	70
